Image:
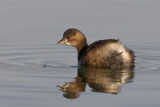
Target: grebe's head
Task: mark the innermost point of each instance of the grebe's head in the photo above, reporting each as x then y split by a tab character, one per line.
73	37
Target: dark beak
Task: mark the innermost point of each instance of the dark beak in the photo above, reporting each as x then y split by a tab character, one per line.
62	41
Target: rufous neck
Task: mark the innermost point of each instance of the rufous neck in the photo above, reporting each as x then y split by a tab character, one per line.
82	45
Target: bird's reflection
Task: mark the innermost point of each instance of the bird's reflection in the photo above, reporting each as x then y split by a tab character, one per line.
98	79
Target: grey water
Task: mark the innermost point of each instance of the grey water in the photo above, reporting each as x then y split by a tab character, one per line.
37	72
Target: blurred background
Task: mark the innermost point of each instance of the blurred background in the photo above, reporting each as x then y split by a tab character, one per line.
44	21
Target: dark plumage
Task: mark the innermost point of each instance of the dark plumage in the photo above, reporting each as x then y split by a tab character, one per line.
109	53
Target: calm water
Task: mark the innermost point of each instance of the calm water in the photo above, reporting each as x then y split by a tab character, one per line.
32	65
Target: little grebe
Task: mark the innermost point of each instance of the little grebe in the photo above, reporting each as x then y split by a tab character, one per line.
109	53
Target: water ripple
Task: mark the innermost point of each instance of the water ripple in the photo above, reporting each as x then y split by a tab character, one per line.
46	56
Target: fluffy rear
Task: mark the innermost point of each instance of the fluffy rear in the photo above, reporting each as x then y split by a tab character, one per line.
108	53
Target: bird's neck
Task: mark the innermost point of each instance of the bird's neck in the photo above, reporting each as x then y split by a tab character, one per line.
81	46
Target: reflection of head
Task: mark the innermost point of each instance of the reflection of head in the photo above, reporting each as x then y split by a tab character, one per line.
72	89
